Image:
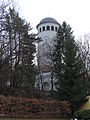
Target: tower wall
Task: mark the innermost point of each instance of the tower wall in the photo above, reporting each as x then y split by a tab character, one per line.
47	30
47	34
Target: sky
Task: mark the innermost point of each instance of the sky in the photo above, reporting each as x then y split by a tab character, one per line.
76	13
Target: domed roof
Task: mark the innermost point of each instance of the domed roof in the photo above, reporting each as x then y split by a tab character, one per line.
48	20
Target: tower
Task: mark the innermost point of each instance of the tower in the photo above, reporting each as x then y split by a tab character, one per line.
47	29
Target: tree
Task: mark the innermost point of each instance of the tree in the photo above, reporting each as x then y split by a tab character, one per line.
28	65
4	58
69	68
84	47
48	54
16	53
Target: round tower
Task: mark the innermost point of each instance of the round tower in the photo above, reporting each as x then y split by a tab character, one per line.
47	28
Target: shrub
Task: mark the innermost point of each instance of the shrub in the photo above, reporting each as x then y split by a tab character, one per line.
33	108
85	114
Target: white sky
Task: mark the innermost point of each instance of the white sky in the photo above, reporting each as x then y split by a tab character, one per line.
76	13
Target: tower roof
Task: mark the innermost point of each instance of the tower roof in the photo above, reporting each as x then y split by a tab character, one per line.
48	20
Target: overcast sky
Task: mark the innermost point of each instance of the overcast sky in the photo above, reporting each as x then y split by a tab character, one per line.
75	12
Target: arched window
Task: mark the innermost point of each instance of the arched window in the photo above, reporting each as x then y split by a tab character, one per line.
52	28
43	28
55	28
40	29
48	28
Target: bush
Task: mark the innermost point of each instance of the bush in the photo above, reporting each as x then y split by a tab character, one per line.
33	108
85	114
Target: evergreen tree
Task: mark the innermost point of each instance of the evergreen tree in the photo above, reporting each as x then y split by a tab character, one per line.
16	53
69	68
28	65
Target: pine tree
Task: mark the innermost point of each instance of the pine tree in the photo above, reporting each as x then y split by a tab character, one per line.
69	68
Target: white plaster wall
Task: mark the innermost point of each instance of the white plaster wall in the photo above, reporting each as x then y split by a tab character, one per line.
47	37
47	33
46	77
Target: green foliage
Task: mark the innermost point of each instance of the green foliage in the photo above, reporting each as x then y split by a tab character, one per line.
69	68
85	114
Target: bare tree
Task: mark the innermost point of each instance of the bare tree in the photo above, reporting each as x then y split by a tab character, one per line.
48	53
84	47
45	62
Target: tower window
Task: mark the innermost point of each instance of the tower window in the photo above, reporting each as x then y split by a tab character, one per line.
48	28
52	28
40	29
43	28
55	28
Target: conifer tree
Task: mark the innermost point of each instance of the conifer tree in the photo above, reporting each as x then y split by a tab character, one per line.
69	68
17	53
28	65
